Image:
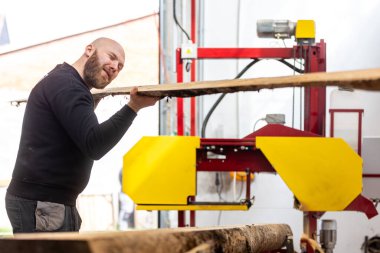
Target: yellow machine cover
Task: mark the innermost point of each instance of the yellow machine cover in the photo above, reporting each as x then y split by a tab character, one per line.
161	170
325	174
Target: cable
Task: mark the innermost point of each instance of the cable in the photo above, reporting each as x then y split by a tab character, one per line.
217	102
237	197
371	245
210	112
294	88
188	66
293	67
204	124
257	121
205	121
219	186
219	218
302	66
176	20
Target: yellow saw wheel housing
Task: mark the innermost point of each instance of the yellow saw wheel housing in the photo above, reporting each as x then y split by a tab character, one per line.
161	170
324	174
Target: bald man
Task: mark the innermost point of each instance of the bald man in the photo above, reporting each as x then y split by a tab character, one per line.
61	137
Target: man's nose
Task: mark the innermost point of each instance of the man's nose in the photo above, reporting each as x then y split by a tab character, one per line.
115	66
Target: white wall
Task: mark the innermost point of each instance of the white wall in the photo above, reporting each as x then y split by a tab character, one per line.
20	71
349	29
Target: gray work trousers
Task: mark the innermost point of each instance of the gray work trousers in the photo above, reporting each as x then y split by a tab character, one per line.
28	216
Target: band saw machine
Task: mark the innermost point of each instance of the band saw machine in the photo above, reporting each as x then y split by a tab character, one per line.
324	174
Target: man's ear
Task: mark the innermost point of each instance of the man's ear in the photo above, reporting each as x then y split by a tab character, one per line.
89	50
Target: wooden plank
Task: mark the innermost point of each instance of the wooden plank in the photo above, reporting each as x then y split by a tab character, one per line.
368	79
250	238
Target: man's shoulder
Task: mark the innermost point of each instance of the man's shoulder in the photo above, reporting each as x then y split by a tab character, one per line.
62	77
63	72
61	81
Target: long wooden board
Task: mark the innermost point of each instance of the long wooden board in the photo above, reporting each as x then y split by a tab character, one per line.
368	79
249	238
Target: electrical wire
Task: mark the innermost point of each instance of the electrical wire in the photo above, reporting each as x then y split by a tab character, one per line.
219	218
371	245
303	56
217	102
176	20
257	121
218	181
205	121
237	197
241	191
293	67
219	184
294	88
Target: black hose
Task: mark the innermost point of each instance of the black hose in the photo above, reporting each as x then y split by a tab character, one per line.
176	20
291	66
205	121
210	112
371	245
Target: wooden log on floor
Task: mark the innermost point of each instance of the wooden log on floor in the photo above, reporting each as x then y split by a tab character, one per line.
368	79
250	238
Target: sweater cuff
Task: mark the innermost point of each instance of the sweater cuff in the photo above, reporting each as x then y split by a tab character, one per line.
129	110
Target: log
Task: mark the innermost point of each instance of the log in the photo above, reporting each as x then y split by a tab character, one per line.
250	238
368	79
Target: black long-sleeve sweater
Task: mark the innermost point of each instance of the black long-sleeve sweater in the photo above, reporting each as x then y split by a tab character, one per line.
61	137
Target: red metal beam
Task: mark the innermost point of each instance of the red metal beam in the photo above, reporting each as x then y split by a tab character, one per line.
235	160
314	114
247	53
315	97
371	175
227	142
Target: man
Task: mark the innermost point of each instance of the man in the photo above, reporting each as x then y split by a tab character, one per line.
61	138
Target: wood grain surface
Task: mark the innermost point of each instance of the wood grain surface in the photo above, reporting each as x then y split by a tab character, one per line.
249	238
368	79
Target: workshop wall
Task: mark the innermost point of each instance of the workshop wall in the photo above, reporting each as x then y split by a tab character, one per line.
348	28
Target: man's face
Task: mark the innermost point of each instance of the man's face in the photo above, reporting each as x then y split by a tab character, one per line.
100	69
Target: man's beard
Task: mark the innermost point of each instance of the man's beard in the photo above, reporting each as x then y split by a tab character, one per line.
91	72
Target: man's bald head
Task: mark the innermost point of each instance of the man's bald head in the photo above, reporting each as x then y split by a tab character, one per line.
107	43
101	62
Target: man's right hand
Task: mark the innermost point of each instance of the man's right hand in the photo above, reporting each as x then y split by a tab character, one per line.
138	102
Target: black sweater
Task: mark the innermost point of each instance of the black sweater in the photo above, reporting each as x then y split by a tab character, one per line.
61	138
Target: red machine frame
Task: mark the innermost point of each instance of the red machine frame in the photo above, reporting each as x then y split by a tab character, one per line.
314	102
314	97
314	57
360	113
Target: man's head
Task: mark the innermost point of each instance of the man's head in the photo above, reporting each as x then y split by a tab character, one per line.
101	62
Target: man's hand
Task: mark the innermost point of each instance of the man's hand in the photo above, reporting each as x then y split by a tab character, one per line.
138	102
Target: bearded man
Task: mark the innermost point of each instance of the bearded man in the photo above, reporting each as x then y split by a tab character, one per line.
61	137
